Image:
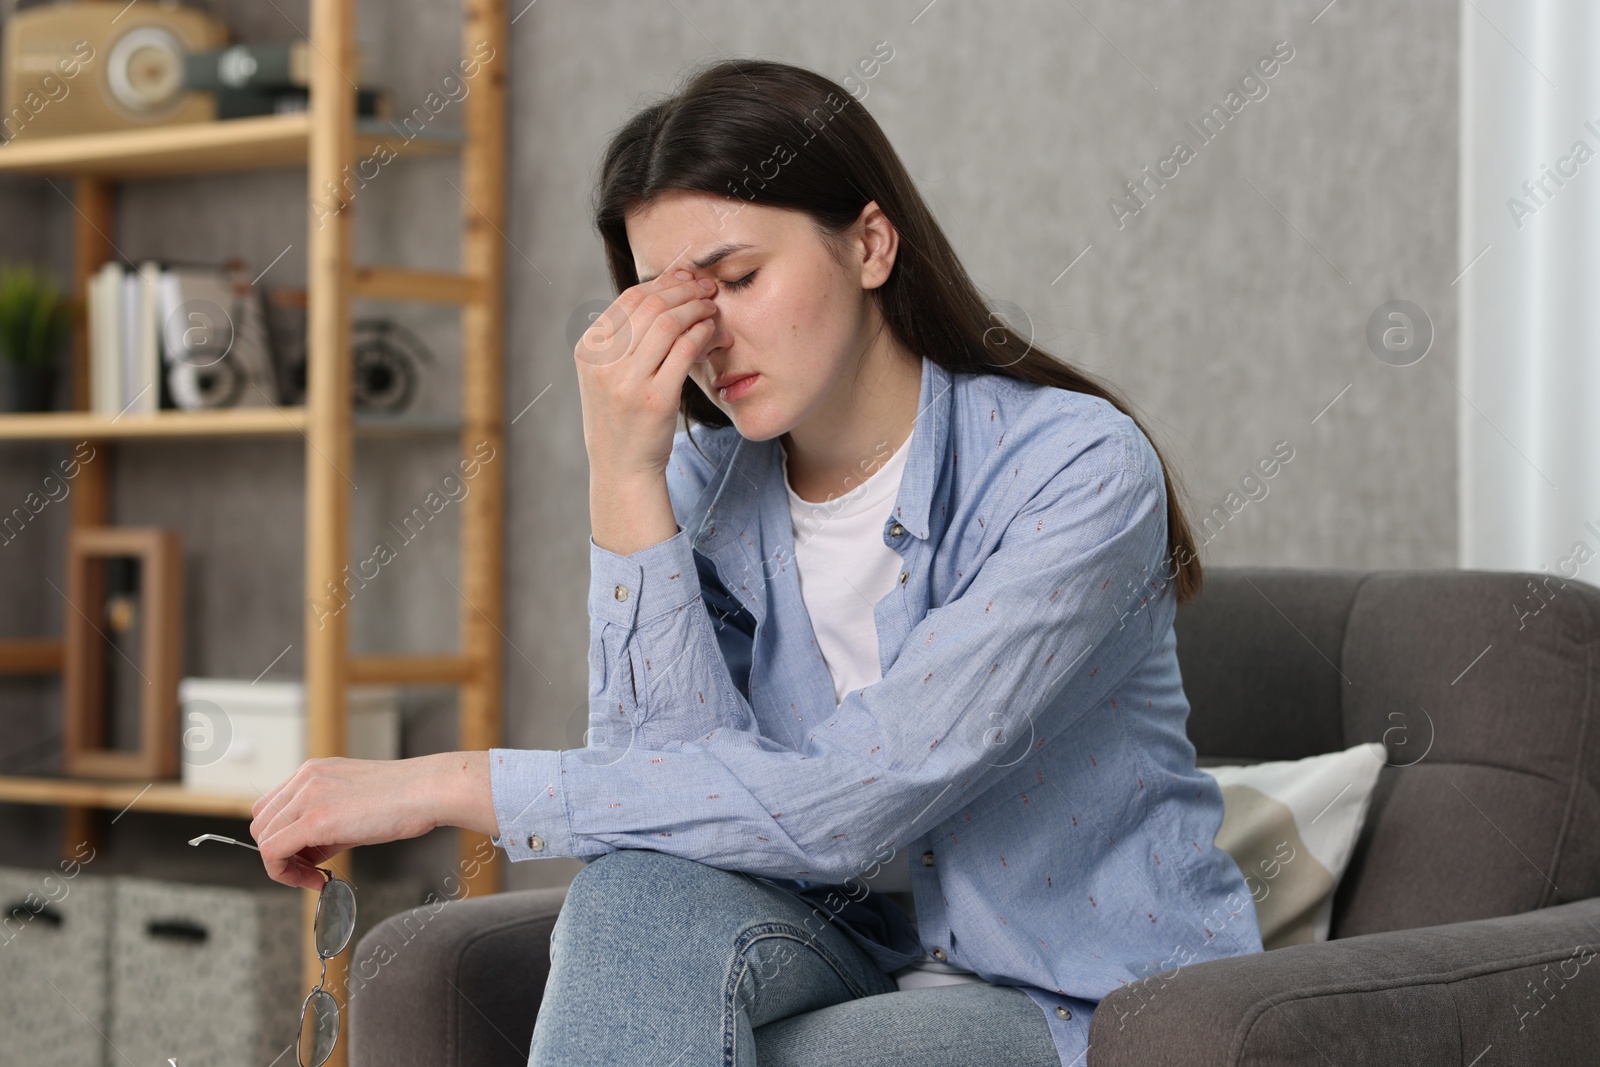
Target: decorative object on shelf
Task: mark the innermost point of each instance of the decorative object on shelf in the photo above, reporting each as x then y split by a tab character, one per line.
385	357
270	79
286	339
35	324
214	337
125	588
87	66
265	65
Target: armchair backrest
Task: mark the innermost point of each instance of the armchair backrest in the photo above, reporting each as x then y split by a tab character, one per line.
1483	686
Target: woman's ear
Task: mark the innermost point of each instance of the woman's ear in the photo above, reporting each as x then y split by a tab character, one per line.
879	242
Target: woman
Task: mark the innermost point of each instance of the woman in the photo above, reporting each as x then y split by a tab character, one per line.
902	605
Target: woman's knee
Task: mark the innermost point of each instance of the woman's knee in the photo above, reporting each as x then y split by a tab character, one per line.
644	897
640	880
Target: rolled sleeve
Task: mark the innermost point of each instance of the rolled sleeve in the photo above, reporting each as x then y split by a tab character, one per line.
530	806
630	589
658	675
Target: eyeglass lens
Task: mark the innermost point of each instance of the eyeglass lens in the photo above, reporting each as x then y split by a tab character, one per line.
319	1015
336	918
319	1028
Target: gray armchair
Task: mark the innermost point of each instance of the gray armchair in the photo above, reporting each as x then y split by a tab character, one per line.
1462	932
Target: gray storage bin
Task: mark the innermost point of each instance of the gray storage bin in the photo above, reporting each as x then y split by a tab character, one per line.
212	975
209	975
53	953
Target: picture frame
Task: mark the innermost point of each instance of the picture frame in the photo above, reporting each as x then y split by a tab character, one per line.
158	607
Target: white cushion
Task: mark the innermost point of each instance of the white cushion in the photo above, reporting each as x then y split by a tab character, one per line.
1291	826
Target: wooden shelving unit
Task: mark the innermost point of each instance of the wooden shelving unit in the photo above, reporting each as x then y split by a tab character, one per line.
325	140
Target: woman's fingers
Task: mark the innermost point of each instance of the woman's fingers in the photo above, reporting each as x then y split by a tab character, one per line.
333	804
632	364
295	872
291	855
631	330
286	824
681	356
667	316
268	812
282	835
265	811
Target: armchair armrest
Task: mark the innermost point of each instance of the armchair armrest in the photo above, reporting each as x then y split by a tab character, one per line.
1520	987
452	983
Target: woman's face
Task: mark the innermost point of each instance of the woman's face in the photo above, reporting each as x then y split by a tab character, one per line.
786	311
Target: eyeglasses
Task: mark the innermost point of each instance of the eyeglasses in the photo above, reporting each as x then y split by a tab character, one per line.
335	923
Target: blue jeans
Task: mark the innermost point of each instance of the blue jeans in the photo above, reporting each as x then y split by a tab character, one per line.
662	961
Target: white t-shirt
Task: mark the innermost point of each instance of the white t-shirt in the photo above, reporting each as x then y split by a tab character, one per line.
844	570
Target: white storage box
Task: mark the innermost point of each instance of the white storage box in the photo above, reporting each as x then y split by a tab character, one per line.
245	737
53	953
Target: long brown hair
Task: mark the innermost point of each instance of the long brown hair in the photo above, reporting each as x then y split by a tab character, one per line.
736	121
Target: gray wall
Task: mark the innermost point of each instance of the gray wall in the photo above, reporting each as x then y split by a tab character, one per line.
1232	308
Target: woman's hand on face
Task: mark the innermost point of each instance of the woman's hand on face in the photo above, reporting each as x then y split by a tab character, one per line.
333	804
632	363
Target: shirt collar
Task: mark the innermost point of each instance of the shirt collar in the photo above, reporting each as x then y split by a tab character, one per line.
930	441
732	499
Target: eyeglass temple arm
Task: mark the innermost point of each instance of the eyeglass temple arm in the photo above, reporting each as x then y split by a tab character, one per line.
326	874
224	840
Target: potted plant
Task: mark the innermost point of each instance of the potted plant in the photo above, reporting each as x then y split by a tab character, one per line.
35	323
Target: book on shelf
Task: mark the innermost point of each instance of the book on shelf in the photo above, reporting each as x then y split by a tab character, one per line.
167	336
111	385
141	360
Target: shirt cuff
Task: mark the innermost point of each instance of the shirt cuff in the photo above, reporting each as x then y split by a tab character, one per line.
642	584
530	805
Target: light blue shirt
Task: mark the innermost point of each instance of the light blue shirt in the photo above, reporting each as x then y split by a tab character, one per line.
1025	745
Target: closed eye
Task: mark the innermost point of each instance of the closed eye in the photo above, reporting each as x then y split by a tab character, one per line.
742	282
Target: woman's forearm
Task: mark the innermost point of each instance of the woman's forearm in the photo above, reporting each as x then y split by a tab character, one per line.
627	513
461	793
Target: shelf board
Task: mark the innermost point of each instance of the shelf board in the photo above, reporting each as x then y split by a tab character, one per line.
168	797
206	147
222	422
403	425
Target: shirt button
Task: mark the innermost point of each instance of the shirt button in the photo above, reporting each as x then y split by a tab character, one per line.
536	842
927	859
896	530
621	593
903	576
1064	1013
939	955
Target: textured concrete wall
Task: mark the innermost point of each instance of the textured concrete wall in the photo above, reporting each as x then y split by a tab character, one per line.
1231	307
